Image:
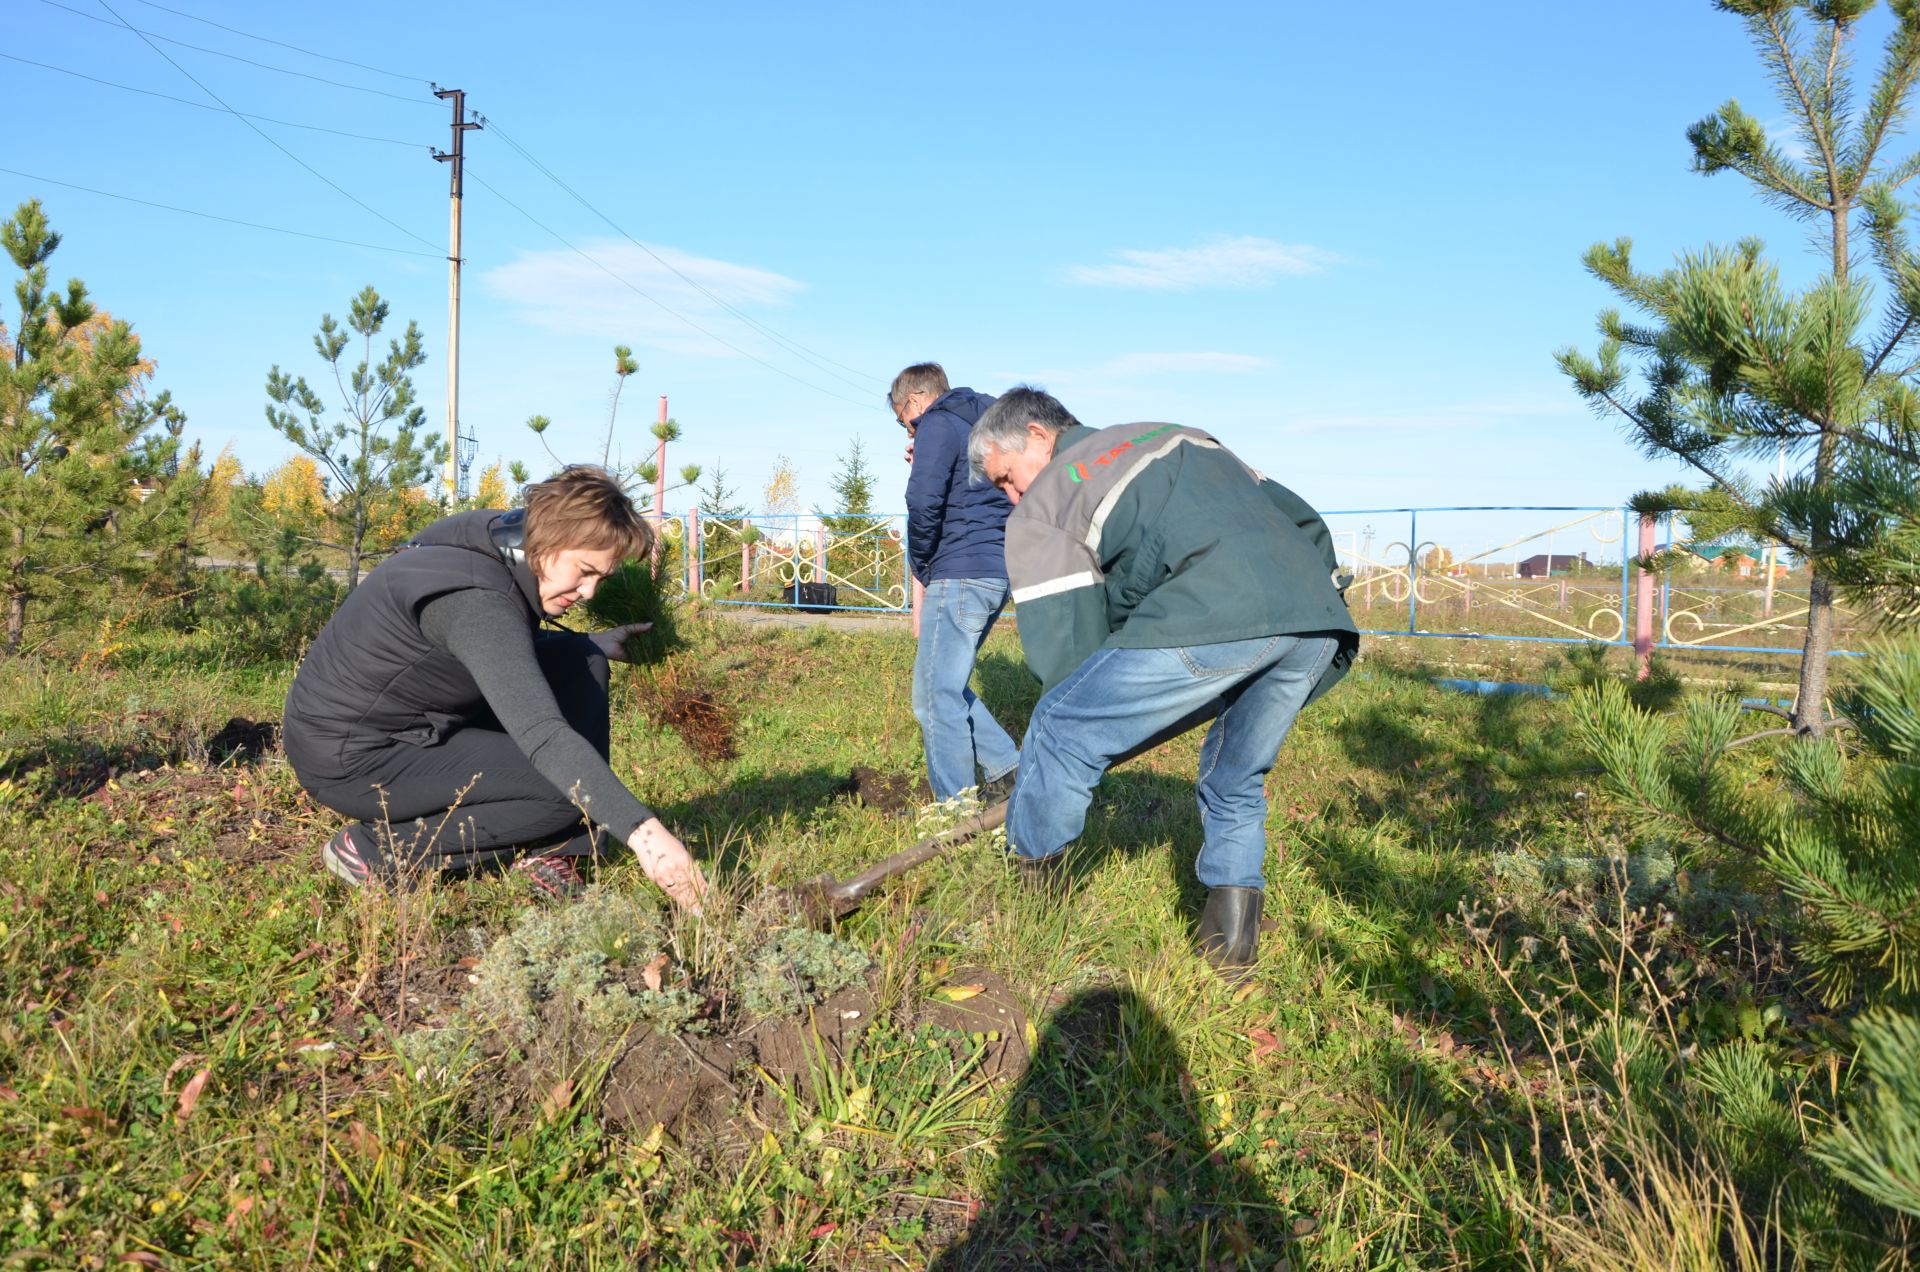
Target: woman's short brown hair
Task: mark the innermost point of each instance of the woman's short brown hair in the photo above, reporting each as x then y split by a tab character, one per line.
582	506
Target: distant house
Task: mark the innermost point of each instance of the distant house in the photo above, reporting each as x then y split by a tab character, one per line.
1734	559
1542	565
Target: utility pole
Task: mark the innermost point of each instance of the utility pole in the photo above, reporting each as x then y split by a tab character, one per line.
457	461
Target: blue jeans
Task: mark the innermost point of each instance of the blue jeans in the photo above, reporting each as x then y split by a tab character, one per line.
1119	702
955	726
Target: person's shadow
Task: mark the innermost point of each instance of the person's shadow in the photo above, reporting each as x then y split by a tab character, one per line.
1107	1160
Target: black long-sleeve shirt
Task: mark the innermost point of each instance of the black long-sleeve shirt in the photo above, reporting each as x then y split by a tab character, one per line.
488	634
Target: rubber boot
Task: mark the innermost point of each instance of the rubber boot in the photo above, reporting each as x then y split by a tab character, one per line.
1229	932
1044	876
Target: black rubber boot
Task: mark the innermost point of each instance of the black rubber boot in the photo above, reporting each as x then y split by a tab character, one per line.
1229	931
1044	876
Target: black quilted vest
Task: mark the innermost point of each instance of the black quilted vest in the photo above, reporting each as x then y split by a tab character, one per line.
372	678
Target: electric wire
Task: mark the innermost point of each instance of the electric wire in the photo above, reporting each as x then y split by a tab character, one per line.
649	297
819	361
150	36
169	97
263	136
182	13
213	216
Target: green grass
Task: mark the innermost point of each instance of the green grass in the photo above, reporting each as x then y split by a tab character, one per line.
1391	1089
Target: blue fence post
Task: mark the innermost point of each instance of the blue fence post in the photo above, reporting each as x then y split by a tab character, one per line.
1413	571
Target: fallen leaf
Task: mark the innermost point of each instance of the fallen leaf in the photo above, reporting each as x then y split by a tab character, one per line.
651	972
1265	1043
822	1230
190	1095
242	1207
557	1100
8	1093
959	993
364	1141
1246	991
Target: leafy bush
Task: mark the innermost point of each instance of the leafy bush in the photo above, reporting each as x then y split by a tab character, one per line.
795	967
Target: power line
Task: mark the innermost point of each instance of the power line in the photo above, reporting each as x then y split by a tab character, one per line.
263	136
654	300
283	44
211	216
284	123
819	360
150	36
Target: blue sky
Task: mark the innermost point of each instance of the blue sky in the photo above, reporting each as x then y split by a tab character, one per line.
1344	239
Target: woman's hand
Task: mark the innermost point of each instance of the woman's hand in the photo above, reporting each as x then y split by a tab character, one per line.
613	641
669	864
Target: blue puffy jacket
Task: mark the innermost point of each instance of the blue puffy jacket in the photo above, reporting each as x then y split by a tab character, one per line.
955	527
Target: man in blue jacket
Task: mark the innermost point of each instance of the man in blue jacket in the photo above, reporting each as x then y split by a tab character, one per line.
956	549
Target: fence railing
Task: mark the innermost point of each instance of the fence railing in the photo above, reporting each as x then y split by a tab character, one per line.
1543	574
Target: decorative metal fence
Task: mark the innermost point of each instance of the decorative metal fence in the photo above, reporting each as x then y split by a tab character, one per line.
1564	575
1546	574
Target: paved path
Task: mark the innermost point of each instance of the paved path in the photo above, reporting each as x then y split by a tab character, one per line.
754	616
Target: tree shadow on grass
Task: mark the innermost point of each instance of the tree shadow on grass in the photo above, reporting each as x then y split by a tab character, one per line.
1105	1161
50	769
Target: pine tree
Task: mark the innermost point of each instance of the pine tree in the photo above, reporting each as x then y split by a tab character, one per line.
367	468
636	478
71	432
1736	365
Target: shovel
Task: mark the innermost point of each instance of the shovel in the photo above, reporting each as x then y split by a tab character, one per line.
825	898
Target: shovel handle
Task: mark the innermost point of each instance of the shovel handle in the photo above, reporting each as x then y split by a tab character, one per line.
980	823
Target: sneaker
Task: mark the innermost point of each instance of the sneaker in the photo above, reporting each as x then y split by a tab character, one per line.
999	790
552	877
342	856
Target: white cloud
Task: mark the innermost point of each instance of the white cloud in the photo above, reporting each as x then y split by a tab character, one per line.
564	292
1223	261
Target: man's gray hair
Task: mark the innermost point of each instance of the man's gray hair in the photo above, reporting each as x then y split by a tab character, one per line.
1004	426
921	377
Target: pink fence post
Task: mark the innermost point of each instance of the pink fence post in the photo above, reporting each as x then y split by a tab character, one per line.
820	554
1643	601
746	567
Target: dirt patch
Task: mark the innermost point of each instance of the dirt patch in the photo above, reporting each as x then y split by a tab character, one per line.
426	983
787	1047
887	792
991	1016
252	818
685	1084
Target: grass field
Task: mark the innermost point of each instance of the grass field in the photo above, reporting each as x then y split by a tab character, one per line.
210	1052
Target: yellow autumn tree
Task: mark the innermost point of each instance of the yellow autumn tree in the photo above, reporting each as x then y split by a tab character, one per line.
397	516
781	496
225	477
491	491
294	496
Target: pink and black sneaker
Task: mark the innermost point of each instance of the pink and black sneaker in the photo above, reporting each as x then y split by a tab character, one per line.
552	877
342	856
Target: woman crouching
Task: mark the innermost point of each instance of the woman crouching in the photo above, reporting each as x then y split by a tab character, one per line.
459	737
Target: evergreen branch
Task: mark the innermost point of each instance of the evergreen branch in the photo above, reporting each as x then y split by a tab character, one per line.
1782	40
